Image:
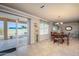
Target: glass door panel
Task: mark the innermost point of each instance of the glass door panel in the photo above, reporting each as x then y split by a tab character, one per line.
2	47
1	30
22	31
11	36
22	38
12	30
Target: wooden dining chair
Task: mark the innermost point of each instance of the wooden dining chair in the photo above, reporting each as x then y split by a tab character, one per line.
54	37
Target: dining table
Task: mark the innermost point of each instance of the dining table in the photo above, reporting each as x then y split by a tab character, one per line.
60	37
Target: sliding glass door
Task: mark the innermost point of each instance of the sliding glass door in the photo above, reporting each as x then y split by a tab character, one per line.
17	35
22	32
22	38
13	35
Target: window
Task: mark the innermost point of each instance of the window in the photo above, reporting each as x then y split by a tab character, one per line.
1	30
44	27
22	30
11	30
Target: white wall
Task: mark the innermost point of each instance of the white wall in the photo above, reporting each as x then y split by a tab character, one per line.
75	28
33	30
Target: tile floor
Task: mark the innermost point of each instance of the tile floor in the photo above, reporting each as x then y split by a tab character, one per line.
47	48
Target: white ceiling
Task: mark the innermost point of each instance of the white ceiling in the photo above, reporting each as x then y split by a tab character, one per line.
67	12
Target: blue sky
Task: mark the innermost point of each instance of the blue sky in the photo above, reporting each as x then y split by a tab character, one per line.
1	24
12	24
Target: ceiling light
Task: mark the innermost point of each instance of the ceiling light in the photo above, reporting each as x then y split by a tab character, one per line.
61	22
57	23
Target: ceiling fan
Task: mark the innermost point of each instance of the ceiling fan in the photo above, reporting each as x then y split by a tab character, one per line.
43	6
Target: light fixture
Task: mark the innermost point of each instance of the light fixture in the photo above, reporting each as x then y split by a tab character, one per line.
57	23
68	28
61	23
